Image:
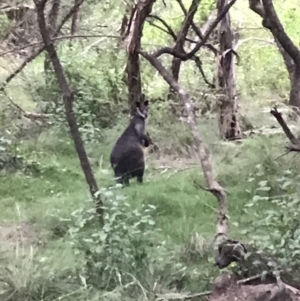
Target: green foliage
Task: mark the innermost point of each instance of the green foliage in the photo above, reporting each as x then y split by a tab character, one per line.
277	228
100	93
4	25
127	248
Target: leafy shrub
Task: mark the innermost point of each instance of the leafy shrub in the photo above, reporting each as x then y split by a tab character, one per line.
97	80
4	25
127	248
277	228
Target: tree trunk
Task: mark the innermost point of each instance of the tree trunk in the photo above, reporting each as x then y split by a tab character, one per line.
295	89
75	21
229	123
289	51
133	37
179	45
68	97
51	27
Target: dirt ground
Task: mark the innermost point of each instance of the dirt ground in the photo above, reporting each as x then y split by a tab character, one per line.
226	288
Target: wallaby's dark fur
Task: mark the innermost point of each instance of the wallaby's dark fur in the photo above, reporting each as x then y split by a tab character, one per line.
127	156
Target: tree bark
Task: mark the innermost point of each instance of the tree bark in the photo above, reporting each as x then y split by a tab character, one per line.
229	121
179	44
133	38
68	97
288	50
75	21
52	20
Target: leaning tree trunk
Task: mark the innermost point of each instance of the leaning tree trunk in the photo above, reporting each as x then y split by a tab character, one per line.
133	38
229	123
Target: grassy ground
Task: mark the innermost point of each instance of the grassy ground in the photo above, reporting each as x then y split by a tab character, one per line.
172	183
43	199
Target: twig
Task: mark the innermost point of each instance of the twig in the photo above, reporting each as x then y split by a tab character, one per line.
174	296
57	39
246	280
282	155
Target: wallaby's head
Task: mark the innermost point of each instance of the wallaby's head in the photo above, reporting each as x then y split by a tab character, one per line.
230	251
142	107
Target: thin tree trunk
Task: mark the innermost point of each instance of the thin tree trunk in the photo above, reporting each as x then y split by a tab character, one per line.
133	37
179	45
229	123
51	26
75	21
68	97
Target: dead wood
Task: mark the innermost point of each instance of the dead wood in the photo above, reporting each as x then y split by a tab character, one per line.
226	288
68	97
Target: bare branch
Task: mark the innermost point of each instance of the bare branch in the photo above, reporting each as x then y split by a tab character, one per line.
295	142
166	25
197	30
39	51
188	56
66	37
279	32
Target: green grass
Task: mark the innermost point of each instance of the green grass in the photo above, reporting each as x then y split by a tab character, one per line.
183	208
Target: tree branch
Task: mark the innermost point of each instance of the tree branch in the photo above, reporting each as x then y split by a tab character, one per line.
294	141
188	56
195	58
39	51
166	25
278	31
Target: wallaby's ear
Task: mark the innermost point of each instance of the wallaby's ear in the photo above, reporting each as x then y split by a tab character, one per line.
146	103
138	104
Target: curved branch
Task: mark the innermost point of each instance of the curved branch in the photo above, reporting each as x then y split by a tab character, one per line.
199	65
189	55
278	31
166	25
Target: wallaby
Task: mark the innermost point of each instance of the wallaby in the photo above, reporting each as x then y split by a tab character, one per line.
127	156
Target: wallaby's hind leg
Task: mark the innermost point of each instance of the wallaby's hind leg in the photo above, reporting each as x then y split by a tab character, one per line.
120	179
140	176
125	181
